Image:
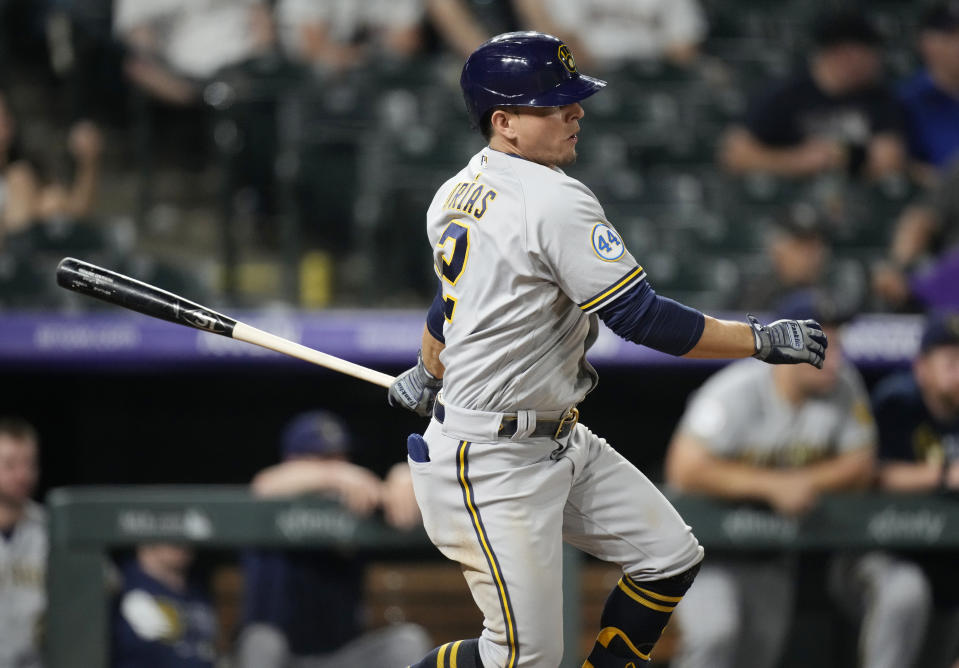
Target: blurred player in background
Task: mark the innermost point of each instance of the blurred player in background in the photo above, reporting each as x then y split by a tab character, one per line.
23	547
917	413
504	473
784	436
162	618
304	608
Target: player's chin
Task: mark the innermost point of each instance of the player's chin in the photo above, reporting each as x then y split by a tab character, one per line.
568	157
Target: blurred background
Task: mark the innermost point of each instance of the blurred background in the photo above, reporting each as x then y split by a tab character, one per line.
273	159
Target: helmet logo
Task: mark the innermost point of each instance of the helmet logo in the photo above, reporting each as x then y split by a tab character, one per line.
566	57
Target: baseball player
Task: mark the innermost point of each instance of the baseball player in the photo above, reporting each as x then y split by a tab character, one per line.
23	547
528	264
161	616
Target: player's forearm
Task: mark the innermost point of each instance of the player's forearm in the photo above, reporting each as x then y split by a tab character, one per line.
431	349
909	477
296	477
724	339
733	481
690	467
850	471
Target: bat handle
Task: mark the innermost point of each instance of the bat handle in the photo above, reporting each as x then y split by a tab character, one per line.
244	332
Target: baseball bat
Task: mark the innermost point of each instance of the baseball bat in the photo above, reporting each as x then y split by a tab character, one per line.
89	279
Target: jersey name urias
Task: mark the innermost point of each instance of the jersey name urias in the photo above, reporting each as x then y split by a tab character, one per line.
526	257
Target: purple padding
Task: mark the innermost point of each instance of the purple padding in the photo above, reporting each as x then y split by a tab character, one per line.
376	338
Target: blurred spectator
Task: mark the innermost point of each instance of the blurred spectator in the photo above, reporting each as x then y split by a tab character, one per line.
23	547
62	191
162	618
55	203
176	45
606	33
85	53
67	190
339	35
17	176
307	605
931	97
836	114
923	266
797	251
174	49
783	436
457	25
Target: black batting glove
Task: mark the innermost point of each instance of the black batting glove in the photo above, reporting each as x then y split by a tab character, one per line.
415	389
789	342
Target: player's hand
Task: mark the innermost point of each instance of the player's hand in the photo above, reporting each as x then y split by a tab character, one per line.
357	488
793	494
415	389
399	502
789	342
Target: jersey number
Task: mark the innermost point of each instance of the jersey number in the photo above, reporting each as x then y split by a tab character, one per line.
453	260
606	245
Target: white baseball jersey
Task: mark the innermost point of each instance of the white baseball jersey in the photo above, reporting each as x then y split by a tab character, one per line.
525	255
739	414
23	562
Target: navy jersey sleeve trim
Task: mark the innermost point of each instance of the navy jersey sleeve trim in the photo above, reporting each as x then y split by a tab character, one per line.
611	293
435	317
643	317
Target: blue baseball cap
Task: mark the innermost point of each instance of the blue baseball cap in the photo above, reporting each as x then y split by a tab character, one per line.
942	329
315	433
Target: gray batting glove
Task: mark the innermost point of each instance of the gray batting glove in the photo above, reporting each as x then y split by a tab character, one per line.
415	389
789	342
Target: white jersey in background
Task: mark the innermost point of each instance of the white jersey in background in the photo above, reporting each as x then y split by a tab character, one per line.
23	562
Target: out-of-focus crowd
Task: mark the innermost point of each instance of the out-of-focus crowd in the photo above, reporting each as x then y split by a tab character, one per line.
224	147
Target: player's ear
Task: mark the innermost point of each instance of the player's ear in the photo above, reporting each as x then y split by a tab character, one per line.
503	122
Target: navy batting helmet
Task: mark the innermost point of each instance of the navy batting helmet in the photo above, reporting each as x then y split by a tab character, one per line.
523	69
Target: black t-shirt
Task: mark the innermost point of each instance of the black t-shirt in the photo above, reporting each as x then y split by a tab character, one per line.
907	430
798	109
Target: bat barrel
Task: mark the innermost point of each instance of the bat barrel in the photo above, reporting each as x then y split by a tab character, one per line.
115	288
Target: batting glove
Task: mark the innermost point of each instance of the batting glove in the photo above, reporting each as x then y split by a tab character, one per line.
789	342
415	389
